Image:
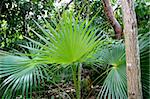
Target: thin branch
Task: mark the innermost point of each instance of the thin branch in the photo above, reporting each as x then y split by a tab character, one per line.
117	5
113	21
67	5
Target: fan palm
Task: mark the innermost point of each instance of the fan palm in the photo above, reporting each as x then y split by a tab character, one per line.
115	84
70	43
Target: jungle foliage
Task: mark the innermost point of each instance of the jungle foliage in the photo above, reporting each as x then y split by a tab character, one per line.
44	49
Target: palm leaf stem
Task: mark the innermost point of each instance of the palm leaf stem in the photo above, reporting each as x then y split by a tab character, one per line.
77	78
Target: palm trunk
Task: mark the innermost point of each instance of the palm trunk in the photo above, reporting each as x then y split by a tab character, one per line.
132	50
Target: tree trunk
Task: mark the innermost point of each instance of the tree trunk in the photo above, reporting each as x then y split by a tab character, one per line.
113	21
132	50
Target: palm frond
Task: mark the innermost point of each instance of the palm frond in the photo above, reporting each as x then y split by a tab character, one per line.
20	75
71	41
144	63
114	86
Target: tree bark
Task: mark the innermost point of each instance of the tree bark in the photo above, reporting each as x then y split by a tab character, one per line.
132	50
113	21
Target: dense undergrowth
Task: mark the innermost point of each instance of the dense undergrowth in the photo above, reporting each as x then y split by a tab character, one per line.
68	55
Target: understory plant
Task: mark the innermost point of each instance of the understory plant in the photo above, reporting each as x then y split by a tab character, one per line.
68	43
112	58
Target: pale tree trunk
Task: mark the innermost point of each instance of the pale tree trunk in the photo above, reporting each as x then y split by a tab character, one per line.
132	50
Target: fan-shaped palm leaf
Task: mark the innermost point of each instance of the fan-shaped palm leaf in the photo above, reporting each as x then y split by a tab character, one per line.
114	86
20	75
71	41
